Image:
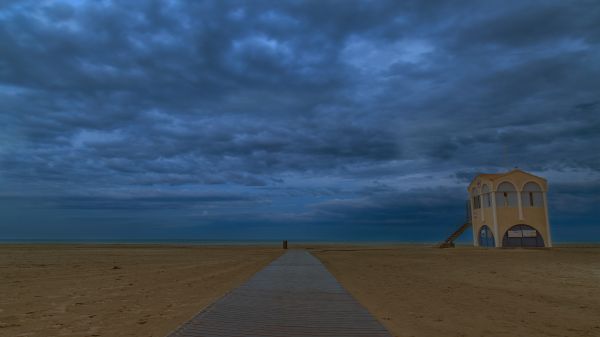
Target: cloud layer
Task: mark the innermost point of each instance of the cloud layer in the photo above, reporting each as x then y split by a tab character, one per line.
309	119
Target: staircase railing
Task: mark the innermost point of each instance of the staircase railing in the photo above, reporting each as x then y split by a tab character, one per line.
449	242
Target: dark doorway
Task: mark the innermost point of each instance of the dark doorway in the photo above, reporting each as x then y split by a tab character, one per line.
486	237
522	236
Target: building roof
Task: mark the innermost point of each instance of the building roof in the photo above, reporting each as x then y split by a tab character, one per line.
491	176
499	176
495	176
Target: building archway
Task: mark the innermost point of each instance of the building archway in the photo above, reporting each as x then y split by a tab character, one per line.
522	236
486	237
506	195
487	200
531	195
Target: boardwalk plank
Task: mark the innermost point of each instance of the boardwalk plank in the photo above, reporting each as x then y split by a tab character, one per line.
294	296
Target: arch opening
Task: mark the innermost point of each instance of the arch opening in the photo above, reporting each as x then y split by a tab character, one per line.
476	200
487	200
486	237
531	196
506	195
522	236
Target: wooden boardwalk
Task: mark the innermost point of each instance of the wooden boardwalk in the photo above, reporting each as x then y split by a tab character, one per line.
293	296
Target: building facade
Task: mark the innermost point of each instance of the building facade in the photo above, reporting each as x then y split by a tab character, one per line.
509	210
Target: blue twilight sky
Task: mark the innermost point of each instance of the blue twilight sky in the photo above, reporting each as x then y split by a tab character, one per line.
349	120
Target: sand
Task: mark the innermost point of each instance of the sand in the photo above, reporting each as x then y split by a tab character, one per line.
418	291
115	291
414	291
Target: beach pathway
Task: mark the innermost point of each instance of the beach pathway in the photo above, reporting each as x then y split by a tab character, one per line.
293	296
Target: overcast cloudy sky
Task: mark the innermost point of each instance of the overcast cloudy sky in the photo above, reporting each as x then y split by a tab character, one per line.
291	119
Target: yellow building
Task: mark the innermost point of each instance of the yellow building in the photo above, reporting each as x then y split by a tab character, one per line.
509	210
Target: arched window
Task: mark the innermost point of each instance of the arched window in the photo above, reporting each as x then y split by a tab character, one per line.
485	193
506	195
476	201
486	237
531	196
522	236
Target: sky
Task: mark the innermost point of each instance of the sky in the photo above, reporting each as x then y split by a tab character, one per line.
299	120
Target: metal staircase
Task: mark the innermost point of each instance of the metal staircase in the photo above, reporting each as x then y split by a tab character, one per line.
449	243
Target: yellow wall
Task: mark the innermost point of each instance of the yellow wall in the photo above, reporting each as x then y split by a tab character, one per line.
509	216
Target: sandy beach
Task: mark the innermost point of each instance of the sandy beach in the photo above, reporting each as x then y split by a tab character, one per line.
115	291
428	292
414	291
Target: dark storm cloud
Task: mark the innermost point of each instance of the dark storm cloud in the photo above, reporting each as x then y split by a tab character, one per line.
141	202
357	114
